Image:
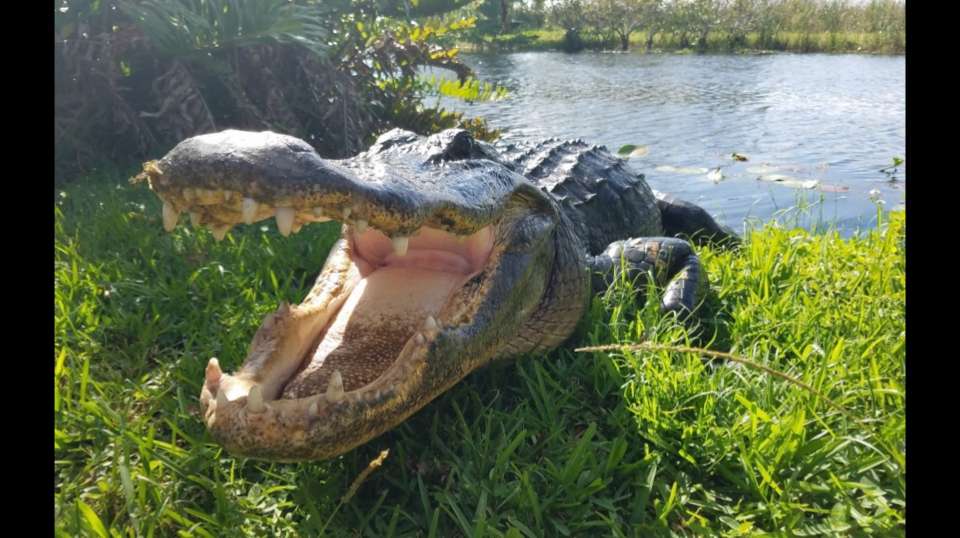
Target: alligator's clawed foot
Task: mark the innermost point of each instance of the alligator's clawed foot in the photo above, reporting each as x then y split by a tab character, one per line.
671	262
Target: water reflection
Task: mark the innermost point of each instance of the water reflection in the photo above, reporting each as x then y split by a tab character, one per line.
833	119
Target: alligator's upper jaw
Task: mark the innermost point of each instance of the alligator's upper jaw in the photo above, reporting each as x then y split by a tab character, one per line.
412	274
398	186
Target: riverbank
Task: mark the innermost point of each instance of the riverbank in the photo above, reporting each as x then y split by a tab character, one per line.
647	443
717	42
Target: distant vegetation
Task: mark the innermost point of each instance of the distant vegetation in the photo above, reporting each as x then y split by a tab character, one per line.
699	25
134	77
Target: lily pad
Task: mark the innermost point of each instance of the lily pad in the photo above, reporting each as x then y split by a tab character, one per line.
764	169
631	150
687	170
788	181
827	187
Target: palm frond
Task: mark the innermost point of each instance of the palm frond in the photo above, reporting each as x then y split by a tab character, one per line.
183	27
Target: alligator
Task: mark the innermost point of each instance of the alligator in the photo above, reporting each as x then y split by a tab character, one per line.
454	253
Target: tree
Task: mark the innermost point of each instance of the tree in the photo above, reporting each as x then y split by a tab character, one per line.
768	21
569	15
620	18
702	16
653	20
504	16
738	19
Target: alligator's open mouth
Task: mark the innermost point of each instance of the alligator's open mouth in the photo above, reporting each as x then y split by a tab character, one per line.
391	294
402	288
419	287
358	339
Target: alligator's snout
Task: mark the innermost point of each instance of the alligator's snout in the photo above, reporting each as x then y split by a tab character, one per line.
443	258
400	185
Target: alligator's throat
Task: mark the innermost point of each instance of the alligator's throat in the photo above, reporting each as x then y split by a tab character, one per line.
384	311
401	293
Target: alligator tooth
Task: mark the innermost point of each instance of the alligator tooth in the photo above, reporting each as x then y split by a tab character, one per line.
419	339
318	215
213	371
400	245
195	219
431	324
221	399
335	387
208	196
227	195
219	232
188	194
314	408
255	400
361	226
297	226
249	210
285	217
170	217
346	213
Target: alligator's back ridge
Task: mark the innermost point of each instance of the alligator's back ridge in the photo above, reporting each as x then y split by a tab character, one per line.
604	198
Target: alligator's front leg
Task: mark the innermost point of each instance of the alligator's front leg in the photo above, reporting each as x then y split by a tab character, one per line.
671	261
682	218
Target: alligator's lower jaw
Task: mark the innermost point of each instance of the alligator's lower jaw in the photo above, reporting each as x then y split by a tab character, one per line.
320	372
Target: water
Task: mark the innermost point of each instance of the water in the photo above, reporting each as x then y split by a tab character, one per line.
823	124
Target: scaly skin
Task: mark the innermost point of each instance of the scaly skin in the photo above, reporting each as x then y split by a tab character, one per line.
524	236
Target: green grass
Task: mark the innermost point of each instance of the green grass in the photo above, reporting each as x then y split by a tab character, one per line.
860	42
650	443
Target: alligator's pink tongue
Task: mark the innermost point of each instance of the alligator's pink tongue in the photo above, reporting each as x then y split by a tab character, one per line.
384	310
